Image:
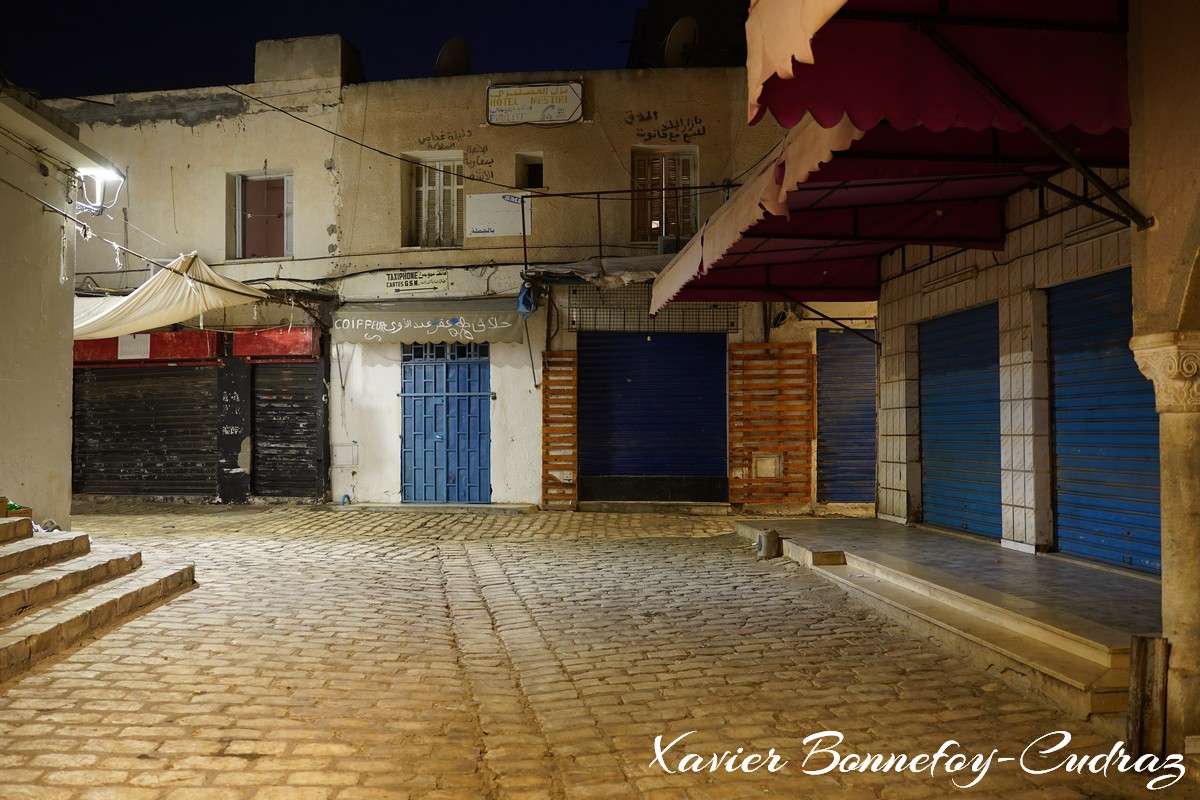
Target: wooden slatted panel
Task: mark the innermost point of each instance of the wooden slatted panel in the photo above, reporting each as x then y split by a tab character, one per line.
560	430
771	402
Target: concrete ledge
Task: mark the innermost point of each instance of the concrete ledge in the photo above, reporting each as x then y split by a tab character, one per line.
500	509
1075	663
655	507
1076	684
15	528
1084	638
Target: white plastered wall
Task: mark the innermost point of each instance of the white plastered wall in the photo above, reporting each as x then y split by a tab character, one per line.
36	271
365	420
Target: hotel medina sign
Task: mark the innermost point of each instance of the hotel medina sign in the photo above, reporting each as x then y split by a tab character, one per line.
535	103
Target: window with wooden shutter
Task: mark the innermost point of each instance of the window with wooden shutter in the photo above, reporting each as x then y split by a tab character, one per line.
664	195
439	207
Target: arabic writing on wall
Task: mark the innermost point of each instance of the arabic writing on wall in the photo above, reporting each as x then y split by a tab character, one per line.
477	163
417	280
649	128
465	328
445	140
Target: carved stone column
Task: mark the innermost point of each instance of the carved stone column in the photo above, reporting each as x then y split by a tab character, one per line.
1172	361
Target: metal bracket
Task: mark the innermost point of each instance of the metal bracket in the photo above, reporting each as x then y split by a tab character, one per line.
1062	151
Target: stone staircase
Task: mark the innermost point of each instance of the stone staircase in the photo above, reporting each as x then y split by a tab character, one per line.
56	589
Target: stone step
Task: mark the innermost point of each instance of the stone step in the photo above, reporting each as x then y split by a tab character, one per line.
25	592
15	528
1081	637
1081	685
29	638
1080	665
37	551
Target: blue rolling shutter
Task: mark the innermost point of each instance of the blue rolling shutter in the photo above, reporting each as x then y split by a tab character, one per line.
1105	428
845	417
960	421
652	416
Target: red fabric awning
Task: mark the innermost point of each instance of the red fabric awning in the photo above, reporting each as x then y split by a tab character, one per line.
1062	60
937	150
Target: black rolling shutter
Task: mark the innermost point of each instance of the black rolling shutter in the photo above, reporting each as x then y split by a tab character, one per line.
146	431
289	431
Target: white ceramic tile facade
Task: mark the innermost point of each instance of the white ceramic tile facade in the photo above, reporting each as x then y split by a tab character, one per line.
1035	257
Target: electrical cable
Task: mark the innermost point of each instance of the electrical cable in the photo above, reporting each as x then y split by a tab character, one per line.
413	161
591	197
88	234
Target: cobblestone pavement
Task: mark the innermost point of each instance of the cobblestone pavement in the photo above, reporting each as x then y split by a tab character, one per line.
350	655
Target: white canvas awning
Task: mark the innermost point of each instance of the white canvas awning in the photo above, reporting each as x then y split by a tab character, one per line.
182	290
778	31
803	149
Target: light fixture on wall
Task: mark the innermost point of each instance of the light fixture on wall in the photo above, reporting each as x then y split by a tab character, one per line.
953	279
96	185
1092	233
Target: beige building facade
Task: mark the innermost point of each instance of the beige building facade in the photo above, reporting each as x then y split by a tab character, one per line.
42	164
401	221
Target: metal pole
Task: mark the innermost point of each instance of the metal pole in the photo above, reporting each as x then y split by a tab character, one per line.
1141	220
599	229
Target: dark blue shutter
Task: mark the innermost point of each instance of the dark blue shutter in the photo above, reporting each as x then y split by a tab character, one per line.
845	417
1105	428
960	421
652	416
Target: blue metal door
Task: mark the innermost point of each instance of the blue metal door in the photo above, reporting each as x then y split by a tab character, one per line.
446	435
1105	428
845	417
960	421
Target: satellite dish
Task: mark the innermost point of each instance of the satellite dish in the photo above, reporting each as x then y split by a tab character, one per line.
453	59
681	42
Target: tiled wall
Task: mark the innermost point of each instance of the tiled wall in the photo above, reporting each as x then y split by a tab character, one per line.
1050	242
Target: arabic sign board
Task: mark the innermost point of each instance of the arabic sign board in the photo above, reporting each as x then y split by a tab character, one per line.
535	103
488	320
498	215
415	281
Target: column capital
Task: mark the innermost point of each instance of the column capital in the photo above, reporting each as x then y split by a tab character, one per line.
1172	361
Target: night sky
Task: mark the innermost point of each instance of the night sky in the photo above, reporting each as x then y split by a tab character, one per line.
65	50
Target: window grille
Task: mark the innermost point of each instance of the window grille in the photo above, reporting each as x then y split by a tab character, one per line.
626	310
443	351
